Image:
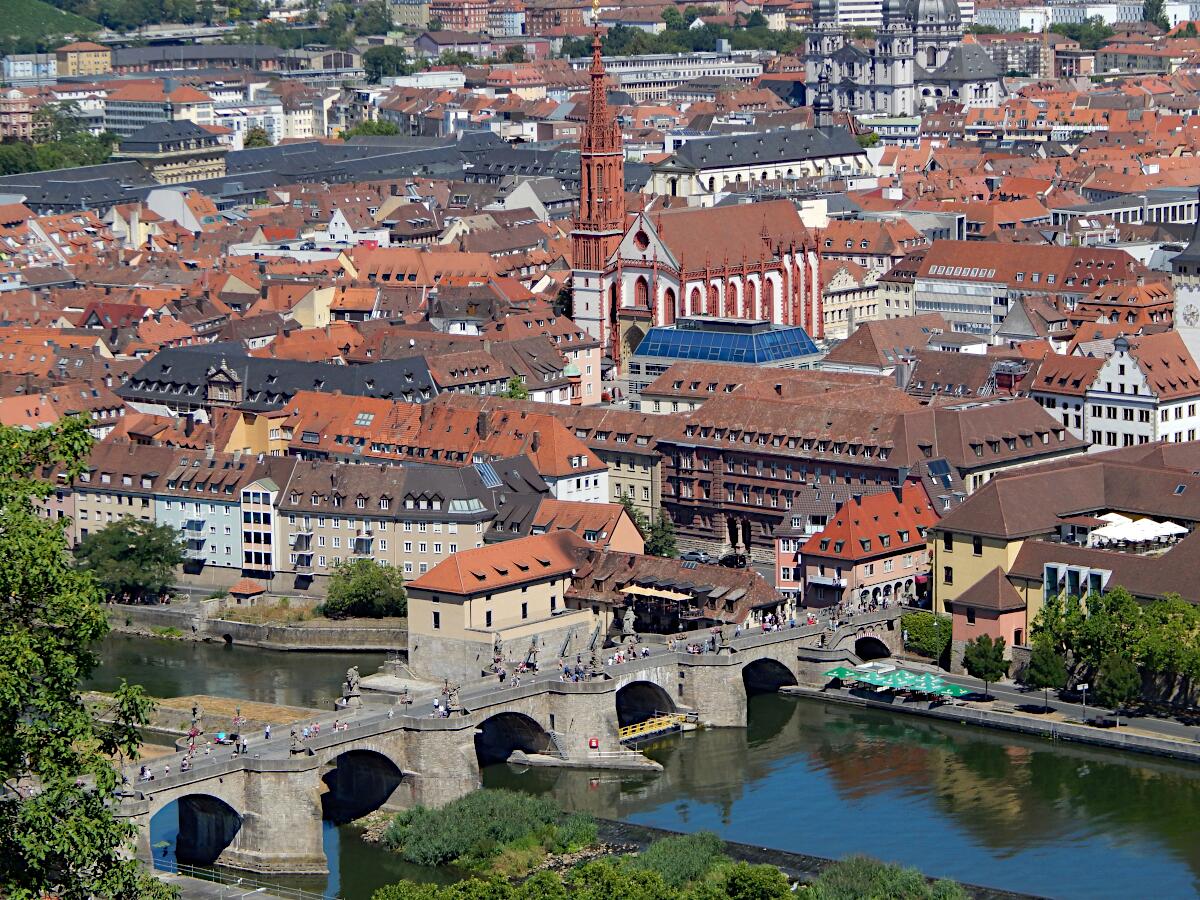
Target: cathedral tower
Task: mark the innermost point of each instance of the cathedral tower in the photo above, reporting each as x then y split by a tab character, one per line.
600	222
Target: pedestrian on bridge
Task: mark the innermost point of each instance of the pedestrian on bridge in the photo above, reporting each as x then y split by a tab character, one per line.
245	745
267	732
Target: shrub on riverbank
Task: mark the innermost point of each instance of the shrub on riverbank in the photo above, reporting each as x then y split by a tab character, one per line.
683	858
856	877
476	829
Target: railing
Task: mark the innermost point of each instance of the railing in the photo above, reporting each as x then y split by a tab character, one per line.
238	885
614	754
654	726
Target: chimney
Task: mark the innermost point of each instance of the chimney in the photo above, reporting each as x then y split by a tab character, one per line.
535	442
779	388
483	425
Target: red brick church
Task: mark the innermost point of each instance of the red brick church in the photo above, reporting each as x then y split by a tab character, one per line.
741	261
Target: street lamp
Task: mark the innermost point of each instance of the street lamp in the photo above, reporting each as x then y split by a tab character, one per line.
1083	688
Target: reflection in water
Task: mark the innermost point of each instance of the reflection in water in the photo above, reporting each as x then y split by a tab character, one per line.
985	807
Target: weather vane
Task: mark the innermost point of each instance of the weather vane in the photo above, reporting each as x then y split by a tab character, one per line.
595	9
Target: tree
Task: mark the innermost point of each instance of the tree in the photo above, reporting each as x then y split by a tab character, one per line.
373	18
58	834
867	139
984	659
1047	669
564	302
756	20
367	589
661	539
256	136
515	54
927	634
1154	11
386	62
56	122
377	128
674	18
516	390
1117	682
1090	34
131	559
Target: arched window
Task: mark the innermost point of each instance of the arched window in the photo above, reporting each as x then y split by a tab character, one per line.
668	310
695	301
641	293
769	300
714	301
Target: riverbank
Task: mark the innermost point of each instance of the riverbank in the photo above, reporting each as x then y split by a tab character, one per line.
192	622
1131	739
796	866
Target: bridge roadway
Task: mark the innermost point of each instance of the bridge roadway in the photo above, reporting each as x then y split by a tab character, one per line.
262	810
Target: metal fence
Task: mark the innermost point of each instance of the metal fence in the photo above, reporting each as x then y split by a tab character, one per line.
238	885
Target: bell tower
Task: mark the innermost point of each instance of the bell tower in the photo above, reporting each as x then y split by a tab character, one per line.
600	223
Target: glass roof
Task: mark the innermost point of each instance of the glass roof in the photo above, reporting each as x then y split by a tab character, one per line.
723	346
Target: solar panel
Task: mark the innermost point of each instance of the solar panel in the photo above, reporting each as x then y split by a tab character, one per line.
939	467
488	475
689	564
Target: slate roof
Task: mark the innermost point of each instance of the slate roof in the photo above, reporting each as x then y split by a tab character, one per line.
765	148
180	374
154	135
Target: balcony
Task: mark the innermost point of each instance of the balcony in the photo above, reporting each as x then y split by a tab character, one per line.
304	564
301	541
362	546
194	548
194	526
826	581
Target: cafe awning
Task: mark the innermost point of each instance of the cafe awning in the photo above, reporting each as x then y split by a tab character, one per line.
654	592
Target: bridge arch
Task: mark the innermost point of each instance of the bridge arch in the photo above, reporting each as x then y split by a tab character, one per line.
359	781
197	828
766	675
499	735
868	646
641	700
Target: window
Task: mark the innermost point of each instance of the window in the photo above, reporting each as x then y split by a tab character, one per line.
437	619
970	616
977	545
487	619
948	575
524	610
948	541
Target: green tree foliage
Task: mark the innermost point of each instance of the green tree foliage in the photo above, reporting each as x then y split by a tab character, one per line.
386	62
1047	669
59	142
256	137
863	33
621	40
858	877
32	26
366	589
756	20
983	29
1155	12
661	539
58	835
515	389
475	828
373	18
1090	34
927	634
515	54
984	659
132	560
378	128
867	139
683	858
673	17
1117	682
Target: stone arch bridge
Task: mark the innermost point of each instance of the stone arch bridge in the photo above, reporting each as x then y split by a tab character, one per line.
262	811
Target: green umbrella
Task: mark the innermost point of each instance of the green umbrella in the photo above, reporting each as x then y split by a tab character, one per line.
927	683
954	690
840	672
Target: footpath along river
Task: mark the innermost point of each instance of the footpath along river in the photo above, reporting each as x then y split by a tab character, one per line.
985	807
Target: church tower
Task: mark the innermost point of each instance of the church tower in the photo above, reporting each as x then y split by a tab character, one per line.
600	223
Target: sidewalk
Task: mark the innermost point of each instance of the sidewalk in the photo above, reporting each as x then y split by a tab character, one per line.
1017	695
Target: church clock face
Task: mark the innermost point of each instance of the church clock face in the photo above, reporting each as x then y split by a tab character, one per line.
1191	315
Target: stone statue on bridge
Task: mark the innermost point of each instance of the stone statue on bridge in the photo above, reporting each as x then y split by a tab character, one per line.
497	649
627	623
351	695
197	718
352	679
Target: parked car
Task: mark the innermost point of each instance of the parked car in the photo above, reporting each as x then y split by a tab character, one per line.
699	556
735	560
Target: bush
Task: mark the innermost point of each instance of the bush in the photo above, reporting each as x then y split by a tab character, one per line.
363	587
472	829
684	858
856	877
927	634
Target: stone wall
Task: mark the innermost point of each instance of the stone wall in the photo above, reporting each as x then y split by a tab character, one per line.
437	657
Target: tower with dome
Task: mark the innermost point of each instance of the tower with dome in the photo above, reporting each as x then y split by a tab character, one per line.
916	59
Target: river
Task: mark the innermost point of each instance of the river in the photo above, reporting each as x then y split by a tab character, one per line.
986	807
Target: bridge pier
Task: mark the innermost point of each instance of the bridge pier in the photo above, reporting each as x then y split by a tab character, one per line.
281	827
136	812
441	765
706	688
580	717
